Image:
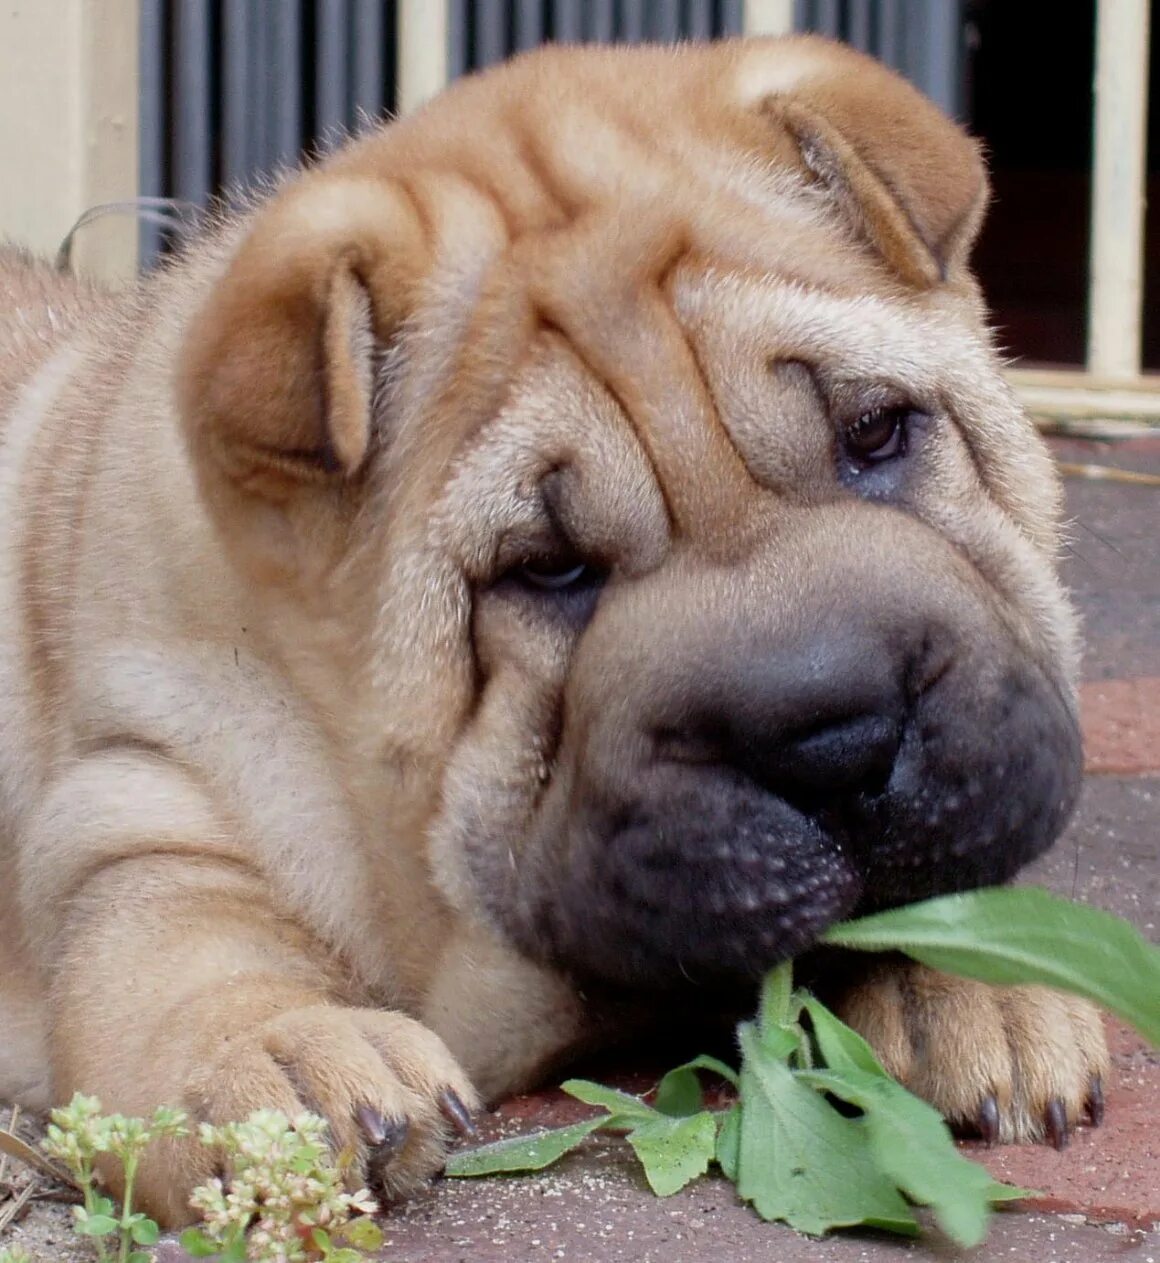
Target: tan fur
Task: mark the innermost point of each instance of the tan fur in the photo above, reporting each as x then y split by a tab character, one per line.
42	308
261	715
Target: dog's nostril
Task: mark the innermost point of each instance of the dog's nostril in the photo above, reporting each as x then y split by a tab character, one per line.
854	755
830	762
811	767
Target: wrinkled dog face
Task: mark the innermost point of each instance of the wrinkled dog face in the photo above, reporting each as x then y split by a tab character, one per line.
749	711
738	604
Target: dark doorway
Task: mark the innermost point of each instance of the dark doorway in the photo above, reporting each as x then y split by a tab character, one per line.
1029	94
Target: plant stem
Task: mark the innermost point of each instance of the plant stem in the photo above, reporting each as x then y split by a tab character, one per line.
84	1174
130	1165
776	992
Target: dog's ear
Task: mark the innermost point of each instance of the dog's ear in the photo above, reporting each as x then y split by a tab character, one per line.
912	181
276	377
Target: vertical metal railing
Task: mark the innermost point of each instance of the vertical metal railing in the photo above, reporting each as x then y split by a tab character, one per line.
153	120
768	17
234	88
1111	390
1116	291
482	32
231	89
425	49
920	37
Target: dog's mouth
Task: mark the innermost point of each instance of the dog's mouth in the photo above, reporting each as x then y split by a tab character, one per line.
699	885
707	877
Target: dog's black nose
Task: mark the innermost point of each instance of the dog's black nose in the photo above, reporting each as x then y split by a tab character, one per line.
841	755
817	724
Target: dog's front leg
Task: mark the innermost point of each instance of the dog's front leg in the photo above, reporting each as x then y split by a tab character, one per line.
176	980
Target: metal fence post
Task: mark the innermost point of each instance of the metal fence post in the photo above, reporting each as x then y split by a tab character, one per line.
422	67
1116	284
767	17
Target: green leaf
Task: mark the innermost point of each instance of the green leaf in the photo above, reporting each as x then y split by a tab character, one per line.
1012	935
800	1161
102	1206
235	1252
779	1043
912	1146
139	1256
167	1121
87	1225
674	1151
321	1239
363	1234
842	1048
144	1231
621	1105
195	1242
728	1143
679	1092
521	1153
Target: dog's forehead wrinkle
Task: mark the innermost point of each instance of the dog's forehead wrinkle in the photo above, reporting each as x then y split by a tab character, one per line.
857	340
620	323
466	248
559	420
639	219
589	158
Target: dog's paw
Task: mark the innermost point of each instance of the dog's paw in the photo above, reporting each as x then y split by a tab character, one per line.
1011	1064
387	1086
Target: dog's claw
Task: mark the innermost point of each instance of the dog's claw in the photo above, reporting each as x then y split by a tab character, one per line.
386	1135
456	1113
1055	1117
374	1125
988	1120
1095	1100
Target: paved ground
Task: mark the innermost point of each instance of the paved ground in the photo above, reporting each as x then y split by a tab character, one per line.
1101	1196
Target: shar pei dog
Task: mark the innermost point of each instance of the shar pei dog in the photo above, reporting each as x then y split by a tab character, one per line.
541	565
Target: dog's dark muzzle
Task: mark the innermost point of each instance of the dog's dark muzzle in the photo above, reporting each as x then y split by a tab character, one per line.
774	788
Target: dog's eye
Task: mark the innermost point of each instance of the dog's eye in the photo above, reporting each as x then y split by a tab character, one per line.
559	586
553	577
877	435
